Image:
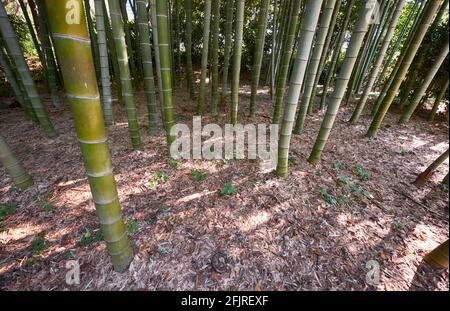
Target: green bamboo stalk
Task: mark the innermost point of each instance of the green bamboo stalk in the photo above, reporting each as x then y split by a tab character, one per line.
127	32
157	57
169	19
237	55
272	53
15	52
258	54
308	27
9	74
355	44
412	16
205	49
124	71
437	101
313	65
325	52
72	45
336	53
406	62
227	48
284	62
379	33
15	169
409	83
33	34
189	73
377	65
164	55
50	64
14	77
104	63
425	175
94	40
112	52
144	40
179	69
420	91
215	57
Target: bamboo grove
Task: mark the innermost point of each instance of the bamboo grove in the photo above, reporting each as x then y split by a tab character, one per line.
313	55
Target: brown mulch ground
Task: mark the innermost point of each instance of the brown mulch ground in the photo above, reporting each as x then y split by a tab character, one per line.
275	234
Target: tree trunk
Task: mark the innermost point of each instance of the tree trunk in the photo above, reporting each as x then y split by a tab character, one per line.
104	63
15	169
376	67
258	54
438	258
206	30
313	65
355	44
164	58
237	53
420	91
124	70
82	93
285	59
425	175
147	64
215	58
406	63
308	27
15	52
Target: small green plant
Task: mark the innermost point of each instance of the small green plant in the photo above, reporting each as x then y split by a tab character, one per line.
361	172
403	152
338	165
228	189
161	177
132	225
199	176
294	160
88	237
173	162
397	224
38	244
163	208
42	201
152	184
7	209
329	199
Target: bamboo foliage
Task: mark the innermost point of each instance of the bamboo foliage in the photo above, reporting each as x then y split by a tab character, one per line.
285	59
355	44
308	27
377	65
15	169
124	71
147	64
408	57
73	47
15	52
164	58
313	66
420	91
237	55
104	63
258	55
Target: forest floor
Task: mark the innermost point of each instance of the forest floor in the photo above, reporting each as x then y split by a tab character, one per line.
316	230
